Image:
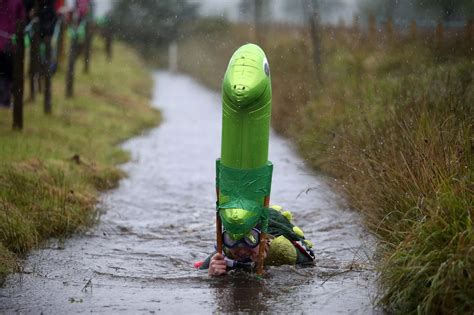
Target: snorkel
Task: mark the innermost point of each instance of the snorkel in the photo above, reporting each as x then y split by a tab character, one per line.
243	173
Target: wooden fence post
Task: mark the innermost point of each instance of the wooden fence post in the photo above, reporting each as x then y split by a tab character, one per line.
106	32
413	29
47	75
259	37
316	32
469	31
439	34
60	43
372	28
108	43
87	45
71	62
18	77
389	27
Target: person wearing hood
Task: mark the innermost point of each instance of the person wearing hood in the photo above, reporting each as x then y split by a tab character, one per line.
12	12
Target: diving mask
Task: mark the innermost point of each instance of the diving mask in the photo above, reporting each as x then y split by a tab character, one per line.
251	239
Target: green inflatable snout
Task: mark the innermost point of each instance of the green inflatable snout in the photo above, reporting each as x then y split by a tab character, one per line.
247	78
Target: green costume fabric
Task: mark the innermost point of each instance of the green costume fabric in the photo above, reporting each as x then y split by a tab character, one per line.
281	225
282	250
241	193
78	33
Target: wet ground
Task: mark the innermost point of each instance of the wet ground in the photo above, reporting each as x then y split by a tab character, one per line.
161	220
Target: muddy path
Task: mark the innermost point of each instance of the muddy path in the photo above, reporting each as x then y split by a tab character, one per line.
140	257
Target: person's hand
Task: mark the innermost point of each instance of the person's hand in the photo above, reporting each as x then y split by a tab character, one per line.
217	266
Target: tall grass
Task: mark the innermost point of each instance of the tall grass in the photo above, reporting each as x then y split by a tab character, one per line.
392	121
51	172
410	173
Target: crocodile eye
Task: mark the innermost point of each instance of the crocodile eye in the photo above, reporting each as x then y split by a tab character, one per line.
266	67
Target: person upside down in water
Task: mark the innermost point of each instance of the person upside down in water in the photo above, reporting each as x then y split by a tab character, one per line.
286	245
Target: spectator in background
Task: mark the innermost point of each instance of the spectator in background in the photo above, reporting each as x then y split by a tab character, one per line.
47	21
59	5
83	8
47	17
29	9
11	12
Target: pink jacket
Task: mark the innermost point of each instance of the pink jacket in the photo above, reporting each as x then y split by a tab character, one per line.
83	7
11	11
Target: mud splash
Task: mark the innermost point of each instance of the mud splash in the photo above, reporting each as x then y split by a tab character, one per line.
161	220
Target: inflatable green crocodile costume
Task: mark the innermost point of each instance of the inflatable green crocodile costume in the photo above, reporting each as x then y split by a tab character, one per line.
243	171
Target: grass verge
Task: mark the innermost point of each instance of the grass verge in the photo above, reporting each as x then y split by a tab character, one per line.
392	121
52	171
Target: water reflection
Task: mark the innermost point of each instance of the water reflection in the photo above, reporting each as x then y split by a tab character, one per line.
240	292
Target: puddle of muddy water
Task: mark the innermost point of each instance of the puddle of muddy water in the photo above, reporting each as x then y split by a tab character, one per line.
161	220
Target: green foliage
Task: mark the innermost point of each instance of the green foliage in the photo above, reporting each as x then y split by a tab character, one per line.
211	26
150	22
449	7
400	140
419	9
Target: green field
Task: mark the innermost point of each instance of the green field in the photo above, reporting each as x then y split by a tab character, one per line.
51	172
